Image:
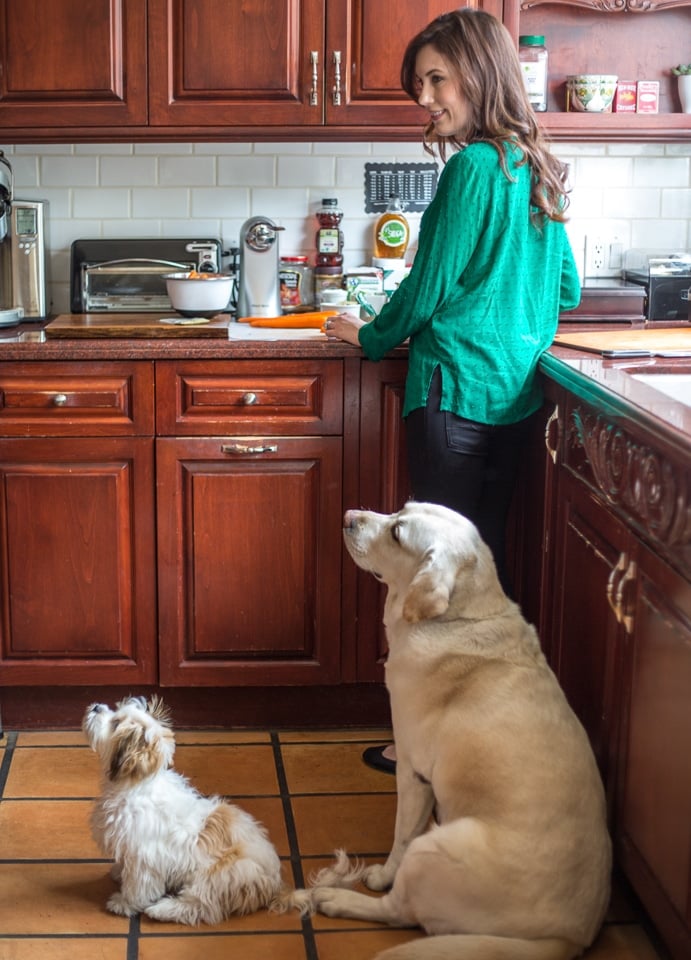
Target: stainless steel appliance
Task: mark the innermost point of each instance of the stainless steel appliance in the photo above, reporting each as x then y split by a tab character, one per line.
22	254
128	276
666	278
259	289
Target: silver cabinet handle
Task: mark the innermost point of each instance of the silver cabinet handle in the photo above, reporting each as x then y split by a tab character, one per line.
314	92
60	399
249	398
552	451
243	448
336	95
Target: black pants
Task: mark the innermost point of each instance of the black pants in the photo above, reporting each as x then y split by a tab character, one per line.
467	466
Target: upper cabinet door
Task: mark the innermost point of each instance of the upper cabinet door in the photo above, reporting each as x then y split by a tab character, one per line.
235	62
366	40
75	63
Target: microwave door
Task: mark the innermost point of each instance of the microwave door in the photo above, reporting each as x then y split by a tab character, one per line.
131	285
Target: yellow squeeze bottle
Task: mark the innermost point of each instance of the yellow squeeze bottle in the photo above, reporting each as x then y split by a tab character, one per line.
391	232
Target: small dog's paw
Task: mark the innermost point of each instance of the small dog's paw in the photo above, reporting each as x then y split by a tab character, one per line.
376	877
118	904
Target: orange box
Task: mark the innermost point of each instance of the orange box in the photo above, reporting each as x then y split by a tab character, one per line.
625	97
647	96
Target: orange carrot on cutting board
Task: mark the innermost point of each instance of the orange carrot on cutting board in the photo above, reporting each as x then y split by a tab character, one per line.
293	321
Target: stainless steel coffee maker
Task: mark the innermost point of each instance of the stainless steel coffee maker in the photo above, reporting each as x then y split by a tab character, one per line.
259	292
22	254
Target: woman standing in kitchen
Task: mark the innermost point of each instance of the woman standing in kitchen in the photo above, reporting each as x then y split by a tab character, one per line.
492	272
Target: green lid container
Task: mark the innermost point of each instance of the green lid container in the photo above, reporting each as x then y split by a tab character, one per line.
531	40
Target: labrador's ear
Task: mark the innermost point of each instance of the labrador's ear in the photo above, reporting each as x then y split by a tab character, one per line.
430	589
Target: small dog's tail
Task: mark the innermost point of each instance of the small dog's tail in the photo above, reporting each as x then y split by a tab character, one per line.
478	947
342	873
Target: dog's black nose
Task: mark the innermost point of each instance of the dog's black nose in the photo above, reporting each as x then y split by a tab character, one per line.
349	520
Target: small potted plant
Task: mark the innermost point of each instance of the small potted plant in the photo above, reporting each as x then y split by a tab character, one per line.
682	72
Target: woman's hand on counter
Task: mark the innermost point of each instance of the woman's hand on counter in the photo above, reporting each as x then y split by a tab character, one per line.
344	326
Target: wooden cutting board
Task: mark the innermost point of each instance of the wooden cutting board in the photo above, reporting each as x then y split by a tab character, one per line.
72	326
652	341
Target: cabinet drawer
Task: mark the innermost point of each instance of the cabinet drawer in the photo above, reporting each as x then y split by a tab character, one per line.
282	397
73	399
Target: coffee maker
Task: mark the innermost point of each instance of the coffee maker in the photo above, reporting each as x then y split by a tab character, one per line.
22	254
259	291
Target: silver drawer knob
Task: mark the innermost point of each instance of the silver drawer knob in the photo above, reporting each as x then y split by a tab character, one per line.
60	399
249	399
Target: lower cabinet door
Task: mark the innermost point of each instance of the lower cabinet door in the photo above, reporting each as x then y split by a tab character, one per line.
653	826
589	546
250	556
384	487
77	580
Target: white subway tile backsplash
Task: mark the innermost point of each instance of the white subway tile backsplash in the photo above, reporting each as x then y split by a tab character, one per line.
659	235
639	192
296	172
670	171
164	202
102	203
128	171
629	203
68	171
186	171
218	201
247	171
676	204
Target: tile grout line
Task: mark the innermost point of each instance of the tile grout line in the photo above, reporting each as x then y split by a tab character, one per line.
295	862
7	760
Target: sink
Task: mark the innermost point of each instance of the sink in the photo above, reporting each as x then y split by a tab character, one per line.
674	385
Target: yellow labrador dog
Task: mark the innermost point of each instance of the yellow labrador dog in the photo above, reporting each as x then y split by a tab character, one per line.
517	866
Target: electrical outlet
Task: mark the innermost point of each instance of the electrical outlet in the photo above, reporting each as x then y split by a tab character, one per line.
595	256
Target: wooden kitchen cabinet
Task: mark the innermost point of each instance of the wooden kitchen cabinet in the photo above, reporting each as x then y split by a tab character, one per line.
618	629
249	522
72	63
653	827
384	487
77	582
308	63
136	70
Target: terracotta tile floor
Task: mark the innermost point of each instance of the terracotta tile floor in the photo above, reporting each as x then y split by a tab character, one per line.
310	789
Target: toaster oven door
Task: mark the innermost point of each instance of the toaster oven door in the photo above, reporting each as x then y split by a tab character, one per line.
134	285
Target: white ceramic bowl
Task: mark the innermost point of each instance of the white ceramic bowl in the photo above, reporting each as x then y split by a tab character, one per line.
199	296
591	92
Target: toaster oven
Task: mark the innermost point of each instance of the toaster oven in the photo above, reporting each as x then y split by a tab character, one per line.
128	276
666	279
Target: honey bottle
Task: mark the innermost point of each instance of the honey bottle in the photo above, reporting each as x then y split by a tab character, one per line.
391	231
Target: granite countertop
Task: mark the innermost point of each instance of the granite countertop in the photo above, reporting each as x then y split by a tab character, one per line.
613	385
28	342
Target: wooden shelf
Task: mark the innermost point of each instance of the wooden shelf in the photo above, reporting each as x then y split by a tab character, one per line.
617	126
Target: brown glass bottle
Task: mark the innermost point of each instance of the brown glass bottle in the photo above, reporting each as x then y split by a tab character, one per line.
329	238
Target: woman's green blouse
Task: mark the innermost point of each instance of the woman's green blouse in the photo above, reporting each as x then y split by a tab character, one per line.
483	296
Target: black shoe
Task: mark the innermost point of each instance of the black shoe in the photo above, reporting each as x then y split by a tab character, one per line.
374	757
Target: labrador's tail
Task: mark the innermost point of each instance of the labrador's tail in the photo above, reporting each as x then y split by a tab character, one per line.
478	947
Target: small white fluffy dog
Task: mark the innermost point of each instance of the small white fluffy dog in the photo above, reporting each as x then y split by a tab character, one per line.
179	856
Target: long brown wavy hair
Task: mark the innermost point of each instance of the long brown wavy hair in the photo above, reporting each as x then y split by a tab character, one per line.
481	56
